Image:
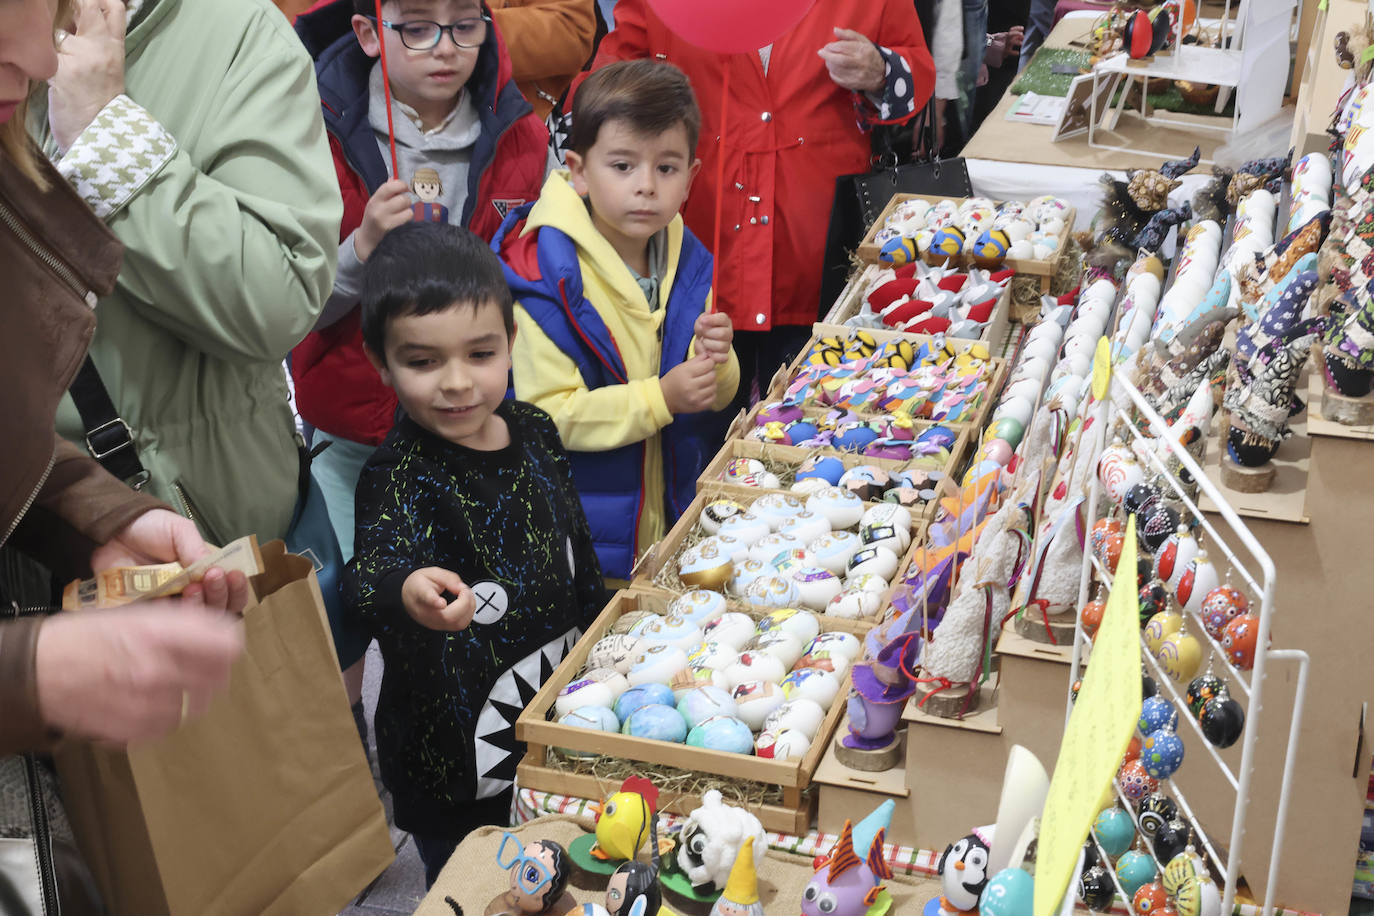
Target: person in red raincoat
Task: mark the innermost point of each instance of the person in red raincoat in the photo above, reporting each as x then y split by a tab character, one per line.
798	116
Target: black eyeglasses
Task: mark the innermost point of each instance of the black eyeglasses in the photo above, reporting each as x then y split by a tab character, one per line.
422	35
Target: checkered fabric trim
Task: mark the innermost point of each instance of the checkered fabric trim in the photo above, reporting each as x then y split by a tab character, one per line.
116	155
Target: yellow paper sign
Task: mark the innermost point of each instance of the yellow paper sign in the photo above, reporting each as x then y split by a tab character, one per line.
1099	730
1102	368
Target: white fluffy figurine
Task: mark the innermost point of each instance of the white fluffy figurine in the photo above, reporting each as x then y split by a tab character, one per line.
712	837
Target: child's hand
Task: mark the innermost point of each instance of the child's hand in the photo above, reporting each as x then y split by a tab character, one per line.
423	597
713	335
690	386
387	209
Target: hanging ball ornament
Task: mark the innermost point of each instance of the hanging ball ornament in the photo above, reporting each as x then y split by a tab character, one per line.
1101	529
1073	690
1148	687
1240	639
1144	571
1199	577
1171	839
1091	615
1134	870
1115	830
1158	526
1091	857
1135	782
1180	655
1198	897
1181	869
1150	899
1201	689
1096	890
1155	713
1140	501
1174	555
1160	627
1132	749
1220	606
1010	892
1152	600
1155	810
1162	753
1222	721
1108	553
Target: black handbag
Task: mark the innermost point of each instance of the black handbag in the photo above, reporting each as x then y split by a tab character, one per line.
859	199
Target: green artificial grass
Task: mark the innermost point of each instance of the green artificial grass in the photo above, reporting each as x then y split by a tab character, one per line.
1039	79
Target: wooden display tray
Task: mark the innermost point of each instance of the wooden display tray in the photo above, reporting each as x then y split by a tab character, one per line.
535	729
1286	498
666	551
1317	425
852	299
845	794
784	376
869	250
713	475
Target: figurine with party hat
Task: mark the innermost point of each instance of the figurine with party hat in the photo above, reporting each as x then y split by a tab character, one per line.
741	894
845	885
1260	408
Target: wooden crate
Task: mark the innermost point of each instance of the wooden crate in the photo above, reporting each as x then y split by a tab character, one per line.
713	475
852	300
684	533
778	388
535	729
869	249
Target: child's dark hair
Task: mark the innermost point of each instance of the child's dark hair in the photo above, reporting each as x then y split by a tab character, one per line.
419	268
650	96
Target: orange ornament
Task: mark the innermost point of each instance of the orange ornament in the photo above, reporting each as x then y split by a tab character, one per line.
1091	615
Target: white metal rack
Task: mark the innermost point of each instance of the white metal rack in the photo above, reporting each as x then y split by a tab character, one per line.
1259	574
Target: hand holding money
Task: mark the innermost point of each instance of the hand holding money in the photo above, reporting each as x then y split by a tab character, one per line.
218	579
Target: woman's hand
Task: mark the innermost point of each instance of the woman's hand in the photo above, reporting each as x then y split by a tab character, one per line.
161	536
90	68
854	62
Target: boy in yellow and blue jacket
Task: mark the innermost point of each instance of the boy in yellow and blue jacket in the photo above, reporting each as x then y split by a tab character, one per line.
615	339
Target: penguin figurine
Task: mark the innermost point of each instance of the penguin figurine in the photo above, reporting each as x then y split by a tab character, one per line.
963	868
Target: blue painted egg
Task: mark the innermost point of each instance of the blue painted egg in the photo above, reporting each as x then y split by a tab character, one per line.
1135	870
827	468
641	696
1010	892
657	721
1162	753
701	703
855	437
898	251
934	438
1156	713
1115	830
593	718
722	733
799	431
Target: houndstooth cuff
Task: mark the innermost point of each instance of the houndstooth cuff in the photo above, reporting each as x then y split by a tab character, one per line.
116	155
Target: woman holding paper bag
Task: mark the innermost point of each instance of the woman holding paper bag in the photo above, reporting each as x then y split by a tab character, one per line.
121	675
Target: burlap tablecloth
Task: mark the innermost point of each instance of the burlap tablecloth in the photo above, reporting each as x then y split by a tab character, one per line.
472	877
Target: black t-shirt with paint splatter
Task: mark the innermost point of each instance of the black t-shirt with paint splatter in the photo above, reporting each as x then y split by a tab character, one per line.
510	524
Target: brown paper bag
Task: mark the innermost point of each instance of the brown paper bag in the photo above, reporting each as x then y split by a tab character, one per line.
265	805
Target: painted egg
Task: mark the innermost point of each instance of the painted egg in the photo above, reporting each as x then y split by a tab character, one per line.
745	471
1091	615
945	244
816	586
1118	478
705	565
584	691
1220	606
1240	641
799	431
617	651
1201	689
722	733
1162	521
754	666
805	526
825	467
1160	627
865	481
1109	463
1095	889
1155	810
785	647
991	245
644	621
717	511
617	682
1171	839
1134	781
644	695
1222	721
1010	892
657	664
701	703
1182	869
888	514
1108	552
755	700
833	662
787	563
747	528
698	605
628	621
714	655
840	507
732	629
778	412
1134	870
694	676
592	718
1140	501
1198	897
1152	601
799	623
766	548
747	572
1101	529
855	604
775	508
788	744
878	561
809	486
1150	899
799	715
1199	577
1162	753
890	536
673	629
811	684
898	251
1008	429
846	644
833	551
770	591
1156	713
1180	655
1174	555
657	721
1115	830
1132	749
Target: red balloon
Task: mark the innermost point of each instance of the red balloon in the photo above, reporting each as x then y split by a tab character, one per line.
730	26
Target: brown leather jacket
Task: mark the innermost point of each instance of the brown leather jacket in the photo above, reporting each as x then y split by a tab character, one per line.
56	503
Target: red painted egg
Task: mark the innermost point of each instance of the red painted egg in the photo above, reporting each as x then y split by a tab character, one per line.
1150	900
1240	640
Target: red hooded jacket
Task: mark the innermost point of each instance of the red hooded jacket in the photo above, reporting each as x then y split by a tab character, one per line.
337	389
792	132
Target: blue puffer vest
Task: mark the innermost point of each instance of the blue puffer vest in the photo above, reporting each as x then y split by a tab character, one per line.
611	483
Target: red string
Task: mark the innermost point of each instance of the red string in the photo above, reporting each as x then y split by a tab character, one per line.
720	182
386	91
944	682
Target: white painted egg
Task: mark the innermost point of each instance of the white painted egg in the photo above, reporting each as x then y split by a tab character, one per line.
583	691
816	586
1019	409
770	591
786	562
674	629
784	745
803	715
766	548
809	485
894	538
1021	249
647	619
717	511
657	664
894	514
617	682
880	561
755	700
1027	388
617	651
855	604
811	684
805	526
869	582
732	629
776	508
836	641
746	528
841	508
755	666
801	624
747	572
698	605
713	654
705	564
1044	347
785	647
832	551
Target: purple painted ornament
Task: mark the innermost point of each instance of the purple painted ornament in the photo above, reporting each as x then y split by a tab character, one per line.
845	884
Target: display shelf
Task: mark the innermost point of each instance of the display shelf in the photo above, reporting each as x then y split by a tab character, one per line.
1257	570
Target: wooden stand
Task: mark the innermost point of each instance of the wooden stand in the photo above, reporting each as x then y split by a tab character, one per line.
588	872
1247	480
1347	411
870	761
1033	628
947	703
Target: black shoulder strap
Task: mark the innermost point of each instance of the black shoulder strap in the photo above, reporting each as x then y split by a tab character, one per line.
108	437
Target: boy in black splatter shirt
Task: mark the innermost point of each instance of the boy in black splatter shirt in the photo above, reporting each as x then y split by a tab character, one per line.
473	566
